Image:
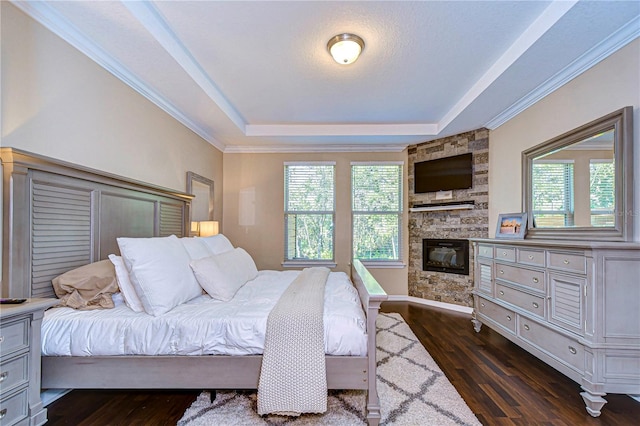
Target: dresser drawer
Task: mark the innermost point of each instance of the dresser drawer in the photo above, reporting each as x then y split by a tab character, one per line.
531	257
13	408
14	372
555	344
526	277
14	336
528	302
571	262
497	313
506	253
485	250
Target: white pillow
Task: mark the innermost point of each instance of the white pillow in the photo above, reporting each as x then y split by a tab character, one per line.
159	270
196	248
217	244
129	294
221	276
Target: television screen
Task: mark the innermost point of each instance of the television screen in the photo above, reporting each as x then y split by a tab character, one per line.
444	174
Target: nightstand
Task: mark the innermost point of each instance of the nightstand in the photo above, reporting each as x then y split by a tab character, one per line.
20	349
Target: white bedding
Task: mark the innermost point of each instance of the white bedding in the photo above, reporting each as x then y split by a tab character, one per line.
204	326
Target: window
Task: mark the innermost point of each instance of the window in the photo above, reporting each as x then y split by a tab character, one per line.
309	211
602	192
553	193
377	211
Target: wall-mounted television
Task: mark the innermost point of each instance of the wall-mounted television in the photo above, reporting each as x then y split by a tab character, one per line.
444	174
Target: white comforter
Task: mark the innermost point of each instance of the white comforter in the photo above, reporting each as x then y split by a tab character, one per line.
204	326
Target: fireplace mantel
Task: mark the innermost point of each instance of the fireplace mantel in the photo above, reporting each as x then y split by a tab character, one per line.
465	206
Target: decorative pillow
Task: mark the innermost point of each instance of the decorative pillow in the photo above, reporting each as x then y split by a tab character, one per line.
160	273
222	275
129	294
217	244
196	248
87	287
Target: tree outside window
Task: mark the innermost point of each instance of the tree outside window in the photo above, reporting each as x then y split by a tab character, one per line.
309	211
377	211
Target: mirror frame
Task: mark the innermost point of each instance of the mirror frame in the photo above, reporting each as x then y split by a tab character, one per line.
194	177
622	122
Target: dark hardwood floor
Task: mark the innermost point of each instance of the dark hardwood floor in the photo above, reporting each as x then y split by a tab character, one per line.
501	383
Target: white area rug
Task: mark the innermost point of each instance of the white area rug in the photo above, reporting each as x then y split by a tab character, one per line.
412	388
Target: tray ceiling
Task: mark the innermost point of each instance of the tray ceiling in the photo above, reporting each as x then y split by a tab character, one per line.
255	76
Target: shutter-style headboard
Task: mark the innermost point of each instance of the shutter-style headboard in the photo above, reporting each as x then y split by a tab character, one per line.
58	216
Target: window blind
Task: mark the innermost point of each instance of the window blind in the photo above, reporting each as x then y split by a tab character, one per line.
553	193
602	192
377	211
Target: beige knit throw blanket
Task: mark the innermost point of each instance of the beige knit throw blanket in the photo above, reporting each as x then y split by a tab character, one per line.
293	377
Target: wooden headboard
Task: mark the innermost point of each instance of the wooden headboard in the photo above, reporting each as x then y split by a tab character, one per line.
58	216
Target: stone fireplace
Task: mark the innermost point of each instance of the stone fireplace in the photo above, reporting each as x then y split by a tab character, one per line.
463	216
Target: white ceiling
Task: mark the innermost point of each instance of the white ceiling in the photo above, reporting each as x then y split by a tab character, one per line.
255	76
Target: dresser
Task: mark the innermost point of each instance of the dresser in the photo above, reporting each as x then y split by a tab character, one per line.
20	402
574	305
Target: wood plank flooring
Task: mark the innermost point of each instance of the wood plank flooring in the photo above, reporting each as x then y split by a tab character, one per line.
501	383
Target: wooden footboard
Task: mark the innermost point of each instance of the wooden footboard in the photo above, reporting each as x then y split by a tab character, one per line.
220	372
371	296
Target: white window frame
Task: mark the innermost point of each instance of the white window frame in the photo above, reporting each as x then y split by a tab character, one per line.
569	211
381	263
301	263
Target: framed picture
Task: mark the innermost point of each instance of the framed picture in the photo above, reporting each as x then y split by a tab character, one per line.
512	225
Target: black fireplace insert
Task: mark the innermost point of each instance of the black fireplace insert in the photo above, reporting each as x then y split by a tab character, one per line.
445	255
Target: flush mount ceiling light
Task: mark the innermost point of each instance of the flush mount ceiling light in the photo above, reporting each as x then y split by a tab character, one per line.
345	48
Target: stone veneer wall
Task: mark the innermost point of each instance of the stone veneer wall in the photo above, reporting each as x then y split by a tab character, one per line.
460	224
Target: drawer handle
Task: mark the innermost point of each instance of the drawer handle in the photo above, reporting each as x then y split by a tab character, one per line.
1	339
504	253
482	304
536	280
566	262
530	257
535	305
572	350
508	317
4	376
501	293
526	327
3	413
501	271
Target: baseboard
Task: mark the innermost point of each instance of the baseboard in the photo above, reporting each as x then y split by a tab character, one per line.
48	396
434	303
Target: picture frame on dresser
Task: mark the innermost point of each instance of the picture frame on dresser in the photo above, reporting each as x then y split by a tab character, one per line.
511	226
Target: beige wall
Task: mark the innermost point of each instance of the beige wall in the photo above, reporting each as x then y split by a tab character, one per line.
57	102
263	175
612	84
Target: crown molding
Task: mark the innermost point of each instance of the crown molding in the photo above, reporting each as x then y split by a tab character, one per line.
59	25
426	129
295	149
545	21
601	51
151	19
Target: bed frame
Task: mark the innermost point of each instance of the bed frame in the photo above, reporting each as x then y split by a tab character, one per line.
58	216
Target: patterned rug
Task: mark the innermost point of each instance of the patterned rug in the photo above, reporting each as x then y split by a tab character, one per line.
412	388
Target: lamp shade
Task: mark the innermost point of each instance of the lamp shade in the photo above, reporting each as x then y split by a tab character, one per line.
345	48
209	228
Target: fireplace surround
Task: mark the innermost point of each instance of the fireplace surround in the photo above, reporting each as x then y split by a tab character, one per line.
456	223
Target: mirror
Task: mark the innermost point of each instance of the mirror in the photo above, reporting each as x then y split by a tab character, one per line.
201	208
580	185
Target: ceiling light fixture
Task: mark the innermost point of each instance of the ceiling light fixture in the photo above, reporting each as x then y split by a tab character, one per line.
345	48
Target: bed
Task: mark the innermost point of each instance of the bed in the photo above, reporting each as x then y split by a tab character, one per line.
59	216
